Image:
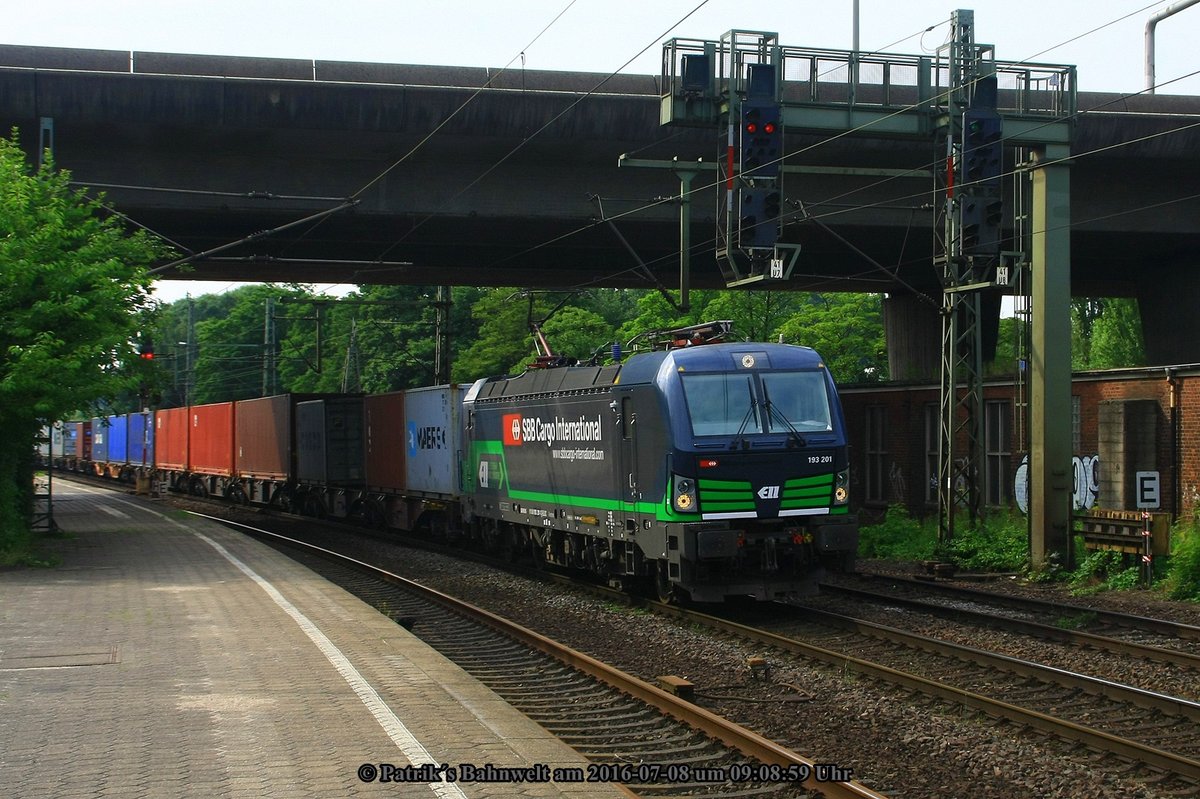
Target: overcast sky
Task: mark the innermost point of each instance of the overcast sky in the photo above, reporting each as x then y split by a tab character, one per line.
604	35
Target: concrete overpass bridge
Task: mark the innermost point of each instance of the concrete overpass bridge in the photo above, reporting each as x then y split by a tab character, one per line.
509	188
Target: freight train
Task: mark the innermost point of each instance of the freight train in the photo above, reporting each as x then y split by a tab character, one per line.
697	471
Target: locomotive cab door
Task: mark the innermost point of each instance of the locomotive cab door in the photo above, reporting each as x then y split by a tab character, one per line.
628	488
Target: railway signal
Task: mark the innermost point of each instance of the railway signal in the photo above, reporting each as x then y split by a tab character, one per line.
758	217
761	139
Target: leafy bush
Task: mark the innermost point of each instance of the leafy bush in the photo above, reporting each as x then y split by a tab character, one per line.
1000	543
1103	570
1183	574
899	536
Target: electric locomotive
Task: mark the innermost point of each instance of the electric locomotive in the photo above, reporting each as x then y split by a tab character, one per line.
703	470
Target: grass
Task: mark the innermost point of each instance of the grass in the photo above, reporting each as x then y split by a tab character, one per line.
998	544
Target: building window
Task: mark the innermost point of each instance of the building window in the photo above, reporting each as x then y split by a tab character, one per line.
933	420
997	468
876	449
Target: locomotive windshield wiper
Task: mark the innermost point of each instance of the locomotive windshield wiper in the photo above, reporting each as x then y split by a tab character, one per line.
738	436
794	437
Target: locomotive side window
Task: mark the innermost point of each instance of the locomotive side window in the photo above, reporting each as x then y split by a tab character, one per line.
798	399
721	404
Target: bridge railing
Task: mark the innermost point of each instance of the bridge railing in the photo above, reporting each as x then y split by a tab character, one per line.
704	70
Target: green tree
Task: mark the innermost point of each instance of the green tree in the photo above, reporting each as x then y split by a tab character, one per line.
756	315
1084	313
1106	334
847	330
1117	336
74	291
503	338
230	361
578	333
385	336
1010	348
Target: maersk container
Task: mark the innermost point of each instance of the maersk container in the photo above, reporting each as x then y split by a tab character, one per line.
385	442
329	441
264	437
431	425
171	439
210	438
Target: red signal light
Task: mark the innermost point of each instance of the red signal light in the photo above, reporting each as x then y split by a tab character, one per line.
769	127
752	127
146	356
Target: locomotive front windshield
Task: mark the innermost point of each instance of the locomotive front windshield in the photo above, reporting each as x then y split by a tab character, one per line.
743	403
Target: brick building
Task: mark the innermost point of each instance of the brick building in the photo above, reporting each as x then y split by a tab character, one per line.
1123	422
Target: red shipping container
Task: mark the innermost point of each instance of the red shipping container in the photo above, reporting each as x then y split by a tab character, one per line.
385	441
210	440
264	436
171	439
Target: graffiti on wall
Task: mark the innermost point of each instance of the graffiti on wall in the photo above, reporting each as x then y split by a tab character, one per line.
1086	488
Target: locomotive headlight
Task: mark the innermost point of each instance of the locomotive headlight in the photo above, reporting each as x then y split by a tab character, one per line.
841	487
684	495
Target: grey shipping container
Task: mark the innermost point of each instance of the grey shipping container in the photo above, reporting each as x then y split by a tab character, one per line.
329	441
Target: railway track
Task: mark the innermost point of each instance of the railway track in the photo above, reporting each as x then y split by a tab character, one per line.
1104	716
1078	618
654	742
1128	647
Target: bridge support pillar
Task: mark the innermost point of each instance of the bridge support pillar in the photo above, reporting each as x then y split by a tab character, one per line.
913	328
1167	341
1050	468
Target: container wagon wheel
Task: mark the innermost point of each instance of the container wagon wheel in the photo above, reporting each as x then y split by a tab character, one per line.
313	506
283	499
237	495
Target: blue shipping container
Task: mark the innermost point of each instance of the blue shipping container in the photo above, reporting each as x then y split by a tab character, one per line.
99	439
117	435
141	439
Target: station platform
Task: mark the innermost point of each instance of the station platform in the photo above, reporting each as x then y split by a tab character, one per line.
169	656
